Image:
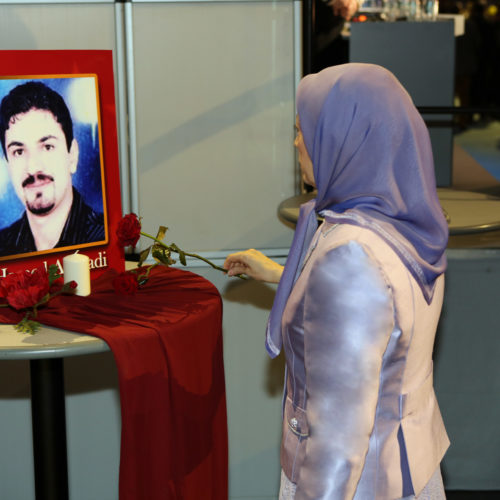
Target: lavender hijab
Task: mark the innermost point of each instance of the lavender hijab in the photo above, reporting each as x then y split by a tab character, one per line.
373	167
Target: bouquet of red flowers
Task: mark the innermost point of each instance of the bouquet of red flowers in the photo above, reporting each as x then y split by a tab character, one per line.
31	290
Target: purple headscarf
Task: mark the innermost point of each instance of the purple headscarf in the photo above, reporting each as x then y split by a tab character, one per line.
373	167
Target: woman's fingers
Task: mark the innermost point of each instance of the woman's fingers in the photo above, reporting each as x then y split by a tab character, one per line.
254	264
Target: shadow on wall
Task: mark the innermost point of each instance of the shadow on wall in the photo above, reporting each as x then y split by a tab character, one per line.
14	379
275	375
83	374
261	296
251	292
213	121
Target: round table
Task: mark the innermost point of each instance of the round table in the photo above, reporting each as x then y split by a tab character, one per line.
167	344
467	212
46	351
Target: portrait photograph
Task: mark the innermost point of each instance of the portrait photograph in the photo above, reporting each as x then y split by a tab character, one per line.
52	190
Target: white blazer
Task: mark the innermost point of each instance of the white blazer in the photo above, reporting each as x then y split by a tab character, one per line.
361	420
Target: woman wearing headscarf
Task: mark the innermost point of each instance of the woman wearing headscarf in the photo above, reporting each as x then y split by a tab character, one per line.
359	299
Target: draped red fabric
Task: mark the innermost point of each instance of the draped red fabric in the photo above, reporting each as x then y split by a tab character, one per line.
167	343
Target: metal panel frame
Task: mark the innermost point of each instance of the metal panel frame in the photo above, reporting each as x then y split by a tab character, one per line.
125	84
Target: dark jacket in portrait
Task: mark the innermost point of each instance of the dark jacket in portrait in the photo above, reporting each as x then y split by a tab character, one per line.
83	225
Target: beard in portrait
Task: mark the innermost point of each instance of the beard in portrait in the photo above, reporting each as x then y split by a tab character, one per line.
41	153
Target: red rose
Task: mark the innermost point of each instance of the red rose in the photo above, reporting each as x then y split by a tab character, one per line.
73	284
24	289
129	230
56	285
126	284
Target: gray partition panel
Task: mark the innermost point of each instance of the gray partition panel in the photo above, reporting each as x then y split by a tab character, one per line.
422	56
467	378
57	26
214	111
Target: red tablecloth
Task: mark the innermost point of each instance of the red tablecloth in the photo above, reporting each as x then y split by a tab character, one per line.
167	343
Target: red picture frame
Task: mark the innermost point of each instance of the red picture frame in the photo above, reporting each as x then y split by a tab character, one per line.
25	64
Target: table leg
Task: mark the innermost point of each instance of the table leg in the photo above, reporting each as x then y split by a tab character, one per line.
49	429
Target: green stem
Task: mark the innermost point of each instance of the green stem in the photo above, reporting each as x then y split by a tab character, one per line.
204	260
196	256
44	300
143	278
172	249
153	238
47	297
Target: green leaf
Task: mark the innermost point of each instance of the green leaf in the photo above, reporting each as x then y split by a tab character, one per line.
161	233
54	273
163	256
27	326
143	256
182	254
182	257
142	280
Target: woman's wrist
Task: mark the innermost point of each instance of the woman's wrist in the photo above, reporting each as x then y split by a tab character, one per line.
276	273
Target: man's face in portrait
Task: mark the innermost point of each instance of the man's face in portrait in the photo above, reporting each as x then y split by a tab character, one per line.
38	159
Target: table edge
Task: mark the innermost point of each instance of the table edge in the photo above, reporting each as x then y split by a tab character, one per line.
46	351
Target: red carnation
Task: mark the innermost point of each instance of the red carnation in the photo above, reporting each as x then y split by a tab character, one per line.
129	230
126	284
25	289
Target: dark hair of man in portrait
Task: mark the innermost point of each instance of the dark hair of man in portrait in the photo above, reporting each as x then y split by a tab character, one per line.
34	95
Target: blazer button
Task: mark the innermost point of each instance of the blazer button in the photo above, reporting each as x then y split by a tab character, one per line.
294	423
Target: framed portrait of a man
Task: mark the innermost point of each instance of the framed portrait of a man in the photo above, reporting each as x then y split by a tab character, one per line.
59	173
52	193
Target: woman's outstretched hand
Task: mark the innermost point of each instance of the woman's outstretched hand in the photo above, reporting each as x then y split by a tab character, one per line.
254	264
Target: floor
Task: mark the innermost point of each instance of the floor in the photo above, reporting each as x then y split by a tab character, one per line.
482	141
473	495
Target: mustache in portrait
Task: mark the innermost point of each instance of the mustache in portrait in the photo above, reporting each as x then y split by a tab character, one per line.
39	176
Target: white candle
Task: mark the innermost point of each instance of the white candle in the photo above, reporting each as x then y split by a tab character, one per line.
77	268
